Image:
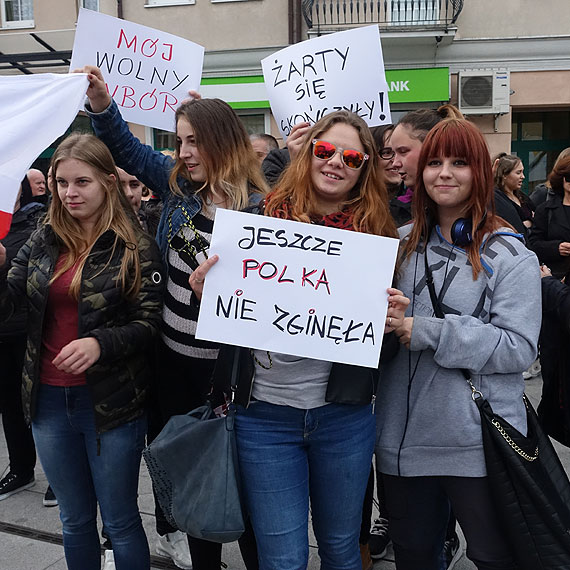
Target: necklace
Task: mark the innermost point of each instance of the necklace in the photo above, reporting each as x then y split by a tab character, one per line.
187	250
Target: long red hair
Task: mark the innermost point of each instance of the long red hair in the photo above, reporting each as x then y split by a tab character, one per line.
368	199
457	138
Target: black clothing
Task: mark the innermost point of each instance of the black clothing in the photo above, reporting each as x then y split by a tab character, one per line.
152	209
507	209
401	211
551	228
554	408
347	384
13	333
541	194
274	164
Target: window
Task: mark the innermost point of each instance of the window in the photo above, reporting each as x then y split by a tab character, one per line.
90	4
17	13
153	3
413	12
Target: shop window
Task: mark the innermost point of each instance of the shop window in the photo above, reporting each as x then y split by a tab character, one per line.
17	13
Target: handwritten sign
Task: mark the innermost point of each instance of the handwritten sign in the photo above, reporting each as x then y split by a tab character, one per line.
297	288
148	72
345	70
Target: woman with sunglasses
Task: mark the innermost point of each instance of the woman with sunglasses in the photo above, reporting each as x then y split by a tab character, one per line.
460	266
305	428
214	167
550	236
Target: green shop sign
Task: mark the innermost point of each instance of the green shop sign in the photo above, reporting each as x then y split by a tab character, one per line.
418	85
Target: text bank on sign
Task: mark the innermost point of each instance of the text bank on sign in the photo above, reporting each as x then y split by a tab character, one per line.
295	288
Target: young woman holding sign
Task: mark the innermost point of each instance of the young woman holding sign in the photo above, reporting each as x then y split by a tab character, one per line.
214	167
305	428
90	283
460	268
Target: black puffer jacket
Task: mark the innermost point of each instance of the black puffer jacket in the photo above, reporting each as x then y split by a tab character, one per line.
124	328
554	408
24	223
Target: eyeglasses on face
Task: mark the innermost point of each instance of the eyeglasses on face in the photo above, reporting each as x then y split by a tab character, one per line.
324	150
567	177
387	153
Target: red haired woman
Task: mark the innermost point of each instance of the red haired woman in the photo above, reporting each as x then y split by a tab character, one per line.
305	428
461	263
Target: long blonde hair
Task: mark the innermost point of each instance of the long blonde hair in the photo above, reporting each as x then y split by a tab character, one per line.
225	150
116	215
368	199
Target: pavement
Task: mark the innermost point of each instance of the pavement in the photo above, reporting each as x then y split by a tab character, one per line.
30	534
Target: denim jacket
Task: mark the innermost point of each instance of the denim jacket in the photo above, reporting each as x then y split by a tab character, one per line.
151	167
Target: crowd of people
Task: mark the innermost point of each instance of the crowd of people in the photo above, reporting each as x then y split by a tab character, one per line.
101	278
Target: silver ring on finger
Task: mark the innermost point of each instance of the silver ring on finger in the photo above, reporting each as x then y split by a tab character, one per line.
389	321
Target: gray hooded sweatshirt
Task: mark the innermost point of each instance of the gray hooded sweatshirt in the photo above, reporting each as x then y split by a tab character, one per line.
428	423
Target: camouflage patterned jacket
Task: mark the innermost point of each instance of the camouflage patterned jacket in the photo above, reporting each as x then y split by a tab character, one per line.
125	329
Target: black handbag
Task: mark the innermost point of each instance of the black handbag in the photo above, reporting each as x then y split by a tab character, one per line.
529	487
193	465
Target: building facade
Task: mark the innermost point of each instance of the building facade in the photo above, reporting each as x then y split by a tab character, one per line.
505	64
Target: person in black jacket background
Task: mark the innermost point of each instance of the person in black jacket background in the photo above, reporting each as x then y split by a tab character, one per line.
13	333
550	237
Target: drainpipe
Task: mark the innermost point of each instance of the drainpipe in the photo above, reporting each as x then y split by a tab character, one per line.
295	21
120	9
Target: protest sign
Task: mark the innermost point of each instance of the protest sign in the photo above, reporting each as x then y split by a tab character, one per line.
295	288
34	111
148	72
345	70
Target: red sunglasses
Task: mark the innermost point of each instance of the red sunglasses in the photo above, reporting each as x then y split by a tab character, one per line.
324	150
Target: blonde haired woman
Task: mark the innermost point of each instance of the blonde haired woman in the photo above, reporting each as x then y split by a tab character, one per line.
91	284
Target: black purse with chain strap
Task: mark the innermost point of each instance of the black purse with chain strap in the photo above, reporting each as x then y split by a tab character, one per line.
529	486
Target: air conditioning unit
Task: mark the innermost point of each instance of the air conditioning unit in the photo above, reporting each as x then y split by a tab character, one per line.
484	92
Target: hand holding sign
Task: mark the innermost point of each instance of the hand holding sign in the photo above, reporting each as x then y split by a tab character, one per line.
197	278
397	305
297	137
2	255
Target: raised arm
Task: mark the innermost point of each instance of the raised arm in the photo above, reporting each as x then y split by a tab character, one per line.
148	165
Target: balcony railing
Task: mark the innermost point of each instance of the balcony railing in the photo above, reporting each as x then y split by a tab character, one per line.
334	14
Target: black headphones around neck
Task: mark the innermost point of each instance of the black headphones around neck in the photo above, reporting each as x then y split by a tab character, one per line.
461	229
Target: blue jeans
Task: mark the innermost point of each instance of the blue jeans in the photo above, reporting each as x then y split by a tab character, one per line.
287	455
83	471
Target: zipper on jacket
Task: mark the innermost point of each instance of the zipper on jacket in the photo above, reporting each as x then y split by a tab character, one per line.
51	251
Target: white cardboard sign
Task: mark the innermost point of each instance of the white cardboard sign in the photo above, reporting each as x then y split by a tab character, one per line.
344	70
295	288
148	72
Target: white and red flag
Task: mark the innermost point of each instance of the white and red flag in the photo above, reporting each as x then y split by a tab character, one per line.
34	111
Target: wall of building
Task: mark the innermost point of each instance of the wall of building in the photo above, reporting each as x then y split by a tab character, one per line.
513	18
217	25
